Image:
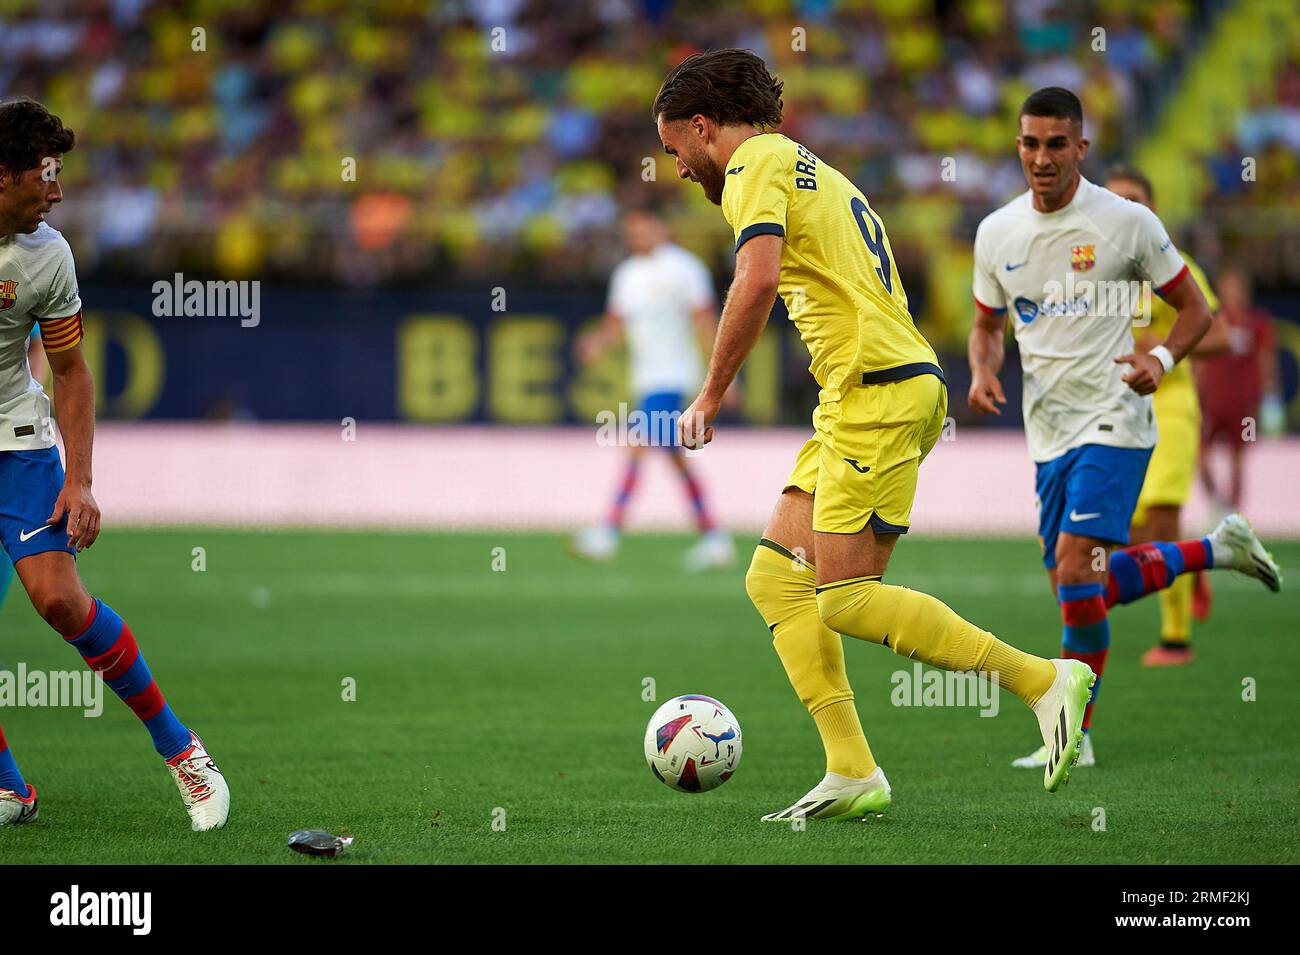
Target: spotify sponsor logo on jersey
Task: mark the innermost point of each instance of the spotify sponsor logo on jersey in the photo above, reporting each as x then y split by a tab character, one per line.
1083	298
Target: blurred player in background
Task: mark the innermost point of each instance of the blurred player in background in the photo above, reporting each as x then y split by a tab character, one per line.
661	302
1240	389
1089	423
47	517
804	231
1172	470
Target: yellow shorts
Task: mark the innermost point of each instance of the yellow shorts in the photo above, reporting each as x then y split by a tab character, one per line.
862	461
1173	463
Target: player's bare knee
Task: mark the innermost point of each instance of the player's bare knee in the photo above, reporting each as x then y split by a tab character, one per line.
63	608
55	609
791	524
1076	564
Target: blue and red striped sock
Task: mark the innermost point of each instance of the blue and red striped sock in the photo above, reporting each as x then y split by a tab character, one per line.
108	647
1087	632
619	510
694	491
10	778
1146	568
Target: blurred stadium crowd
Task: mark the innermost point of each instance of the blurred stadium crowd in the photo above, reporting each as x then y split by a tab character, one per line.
507	134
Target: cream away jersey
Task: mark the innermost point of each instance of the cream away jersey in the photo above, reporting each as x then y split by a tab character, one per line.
37	283
1071	279
838	278
656	296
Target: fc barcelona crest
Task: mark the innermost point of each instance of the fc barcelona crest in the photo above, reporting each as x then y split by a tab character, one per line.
8	293
1083	257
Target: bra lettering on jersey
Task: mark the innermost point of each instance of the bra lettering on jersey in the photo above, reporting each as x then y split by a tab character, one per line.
806	164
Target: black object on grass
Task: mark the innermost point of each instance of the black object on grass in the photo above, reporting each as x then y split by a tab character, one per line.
318	842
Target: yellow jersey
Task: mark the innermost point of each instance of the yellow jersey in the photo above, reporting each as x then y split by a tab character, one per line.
1163	316
838	278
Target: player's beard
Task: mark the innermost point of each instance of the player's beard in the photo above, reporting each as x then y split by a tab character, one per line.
711	177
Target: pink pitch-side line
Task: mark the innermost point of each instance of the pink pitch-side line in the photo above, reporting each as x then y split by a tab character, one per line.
408	476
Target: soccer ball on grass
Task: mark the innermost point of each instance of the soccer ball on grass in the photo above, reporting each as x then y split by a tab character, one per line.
692	744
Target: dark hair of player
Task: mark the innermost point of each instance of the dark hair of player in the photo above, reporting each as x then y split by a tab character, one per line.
1055	102
727	86
1132	174
28	133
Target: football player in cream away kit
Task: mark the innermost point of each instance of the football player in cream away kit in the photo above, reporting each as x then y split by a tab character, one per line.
47	516
661	303
1063	261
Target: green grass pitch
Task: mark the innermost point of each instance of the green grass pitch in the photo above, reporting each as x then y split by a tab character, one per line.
521	690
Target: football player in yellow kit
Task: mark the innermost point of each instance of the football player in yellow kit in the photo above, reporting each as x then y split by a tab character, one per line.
805	231
1173	464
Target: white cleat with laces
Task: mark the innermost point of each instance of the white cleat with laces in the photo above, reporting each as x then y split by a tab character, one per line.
1060	720
1236	545
839	797
16	809
203	788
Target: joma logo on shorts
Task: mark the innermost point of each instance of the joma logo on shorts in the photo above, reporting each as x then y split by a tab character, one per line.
858	467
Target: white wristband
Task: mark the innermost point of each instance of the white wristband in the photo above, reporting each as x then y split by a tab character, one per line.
1165	355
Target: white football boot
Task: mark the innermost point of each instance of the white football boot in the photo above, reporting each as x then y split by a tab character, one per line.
1060	720
597	544
1038	758
1237	546
839	797
203	788
15	809
713	550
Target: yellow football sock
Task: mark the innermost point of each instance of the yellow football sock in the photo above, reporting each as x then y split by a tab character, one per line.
1176	610
920	627
847	752
782	589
